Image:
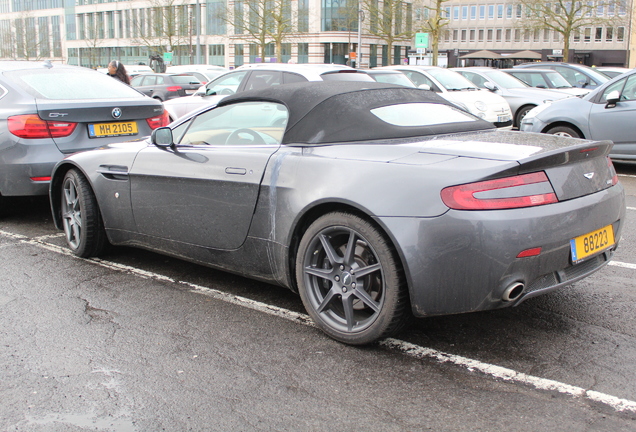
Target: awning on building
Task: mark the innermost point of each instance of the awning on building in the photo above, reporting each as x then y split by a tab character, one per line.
483	54
526	54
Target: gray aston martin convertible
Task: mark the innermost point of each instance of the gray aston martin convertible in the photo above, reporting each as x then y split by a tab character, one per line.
374	202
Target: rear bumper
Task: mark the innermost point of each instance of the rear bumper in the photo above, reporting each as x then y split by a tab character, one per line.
19	163
464	261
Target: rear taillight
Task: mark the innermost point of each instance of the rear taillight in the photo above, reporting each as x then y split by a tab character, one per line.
174	88
504	193
31	126
159	121
612	171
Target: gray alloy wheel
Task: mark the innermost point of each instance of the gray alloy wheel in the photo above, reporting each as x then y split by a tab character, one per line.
564	131
521	114
350	281
81	218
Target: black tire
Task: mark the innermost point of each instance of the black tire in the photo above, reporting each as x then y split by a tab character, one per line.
564	131
350	281
81	218
521	113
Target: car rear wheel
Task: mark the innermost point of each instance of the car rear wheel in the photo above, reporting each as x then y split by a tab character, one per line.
350	281
82	221
564	131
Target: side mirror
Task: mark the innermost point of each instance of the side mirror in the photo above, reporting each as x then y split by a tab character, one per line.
583	83
490	86
210	92
424	86
162	137
612	98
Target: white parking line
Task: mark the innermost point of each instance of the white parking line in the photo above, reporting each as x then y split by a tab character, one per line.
409	349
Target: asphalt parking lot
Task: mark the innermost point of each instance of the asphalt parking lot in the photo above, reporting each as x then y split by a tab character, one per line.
137	341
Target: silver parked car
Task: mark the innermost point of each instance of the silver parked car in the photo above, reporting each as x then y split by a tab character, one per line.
374	201
389	76
455	88
608	113
546	79
520	96
261	75
48	111
576	74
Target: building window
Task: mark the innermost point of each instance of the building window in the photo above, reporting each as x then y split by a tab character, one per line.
620	34
609	34
498	35
473	12
215	17
303	52
463	36
517	35
480	37
216	55
508	35
472	36
519	11
303	16
455	35
491	11
464	12
598	35
489	35
500	11
546	35
576	36
239	52
455	13
336	15
526	36
482	12
587	35
537	35
509	11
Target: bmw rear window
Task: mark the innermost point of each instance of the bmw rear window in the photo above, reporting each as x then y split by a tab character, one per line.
71	84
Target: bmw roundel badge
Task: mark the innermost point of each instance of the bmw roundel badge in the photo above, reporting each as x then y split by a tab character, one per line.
116	113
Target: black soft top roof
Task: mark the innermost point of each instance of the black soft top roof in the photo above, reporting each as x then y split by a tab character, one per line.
328	112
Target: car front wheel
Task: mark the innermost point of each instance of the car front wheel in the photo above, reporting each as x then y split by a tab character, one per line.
81	218
564	131
350	281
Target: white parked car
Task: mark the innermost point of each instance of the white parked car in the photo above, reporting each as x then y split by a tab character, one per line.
258	77
455	88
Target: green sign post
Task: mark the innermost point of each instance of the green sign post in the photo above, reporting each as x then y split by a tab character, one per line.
167	57
421	40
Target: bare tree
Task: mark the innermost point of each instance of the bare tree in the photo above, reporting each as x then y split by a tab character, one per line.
388	21
166	24
262	22
434	22
567	17
20	38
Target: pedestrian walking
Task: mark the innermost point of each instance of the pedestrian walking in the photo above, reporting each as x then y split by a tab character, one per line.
117	70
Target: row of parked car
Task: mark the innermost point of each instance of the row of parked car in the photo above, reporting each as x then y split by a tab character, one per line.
54	110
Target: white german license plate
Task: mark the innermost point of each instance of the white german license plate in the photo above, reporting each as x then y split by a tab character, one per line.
592	243
97	130
503	118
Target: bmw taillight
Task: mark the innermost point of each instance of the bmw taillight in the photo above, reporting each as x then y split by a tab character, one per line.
159	121
32	127
174	88
526	190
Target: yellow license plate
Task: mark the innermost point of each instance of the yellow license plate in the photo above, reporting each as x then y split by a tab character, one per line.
592	243
97	130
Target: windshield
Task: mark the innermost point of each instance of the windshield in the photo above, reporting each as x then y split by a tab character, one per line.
505	80
71	84
390	78
452	81
557	80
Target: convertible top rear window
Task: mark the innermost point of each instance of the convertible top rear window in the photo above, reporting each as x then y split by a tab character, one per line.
421	114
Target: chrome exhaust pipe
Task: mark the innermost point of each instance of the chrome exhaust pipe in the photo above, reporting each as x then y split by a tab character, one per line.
513	292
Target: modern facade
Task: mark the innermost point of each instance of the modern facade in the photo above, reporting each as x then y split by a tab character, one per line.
93	32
